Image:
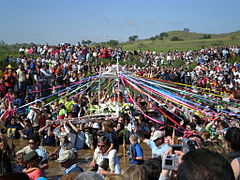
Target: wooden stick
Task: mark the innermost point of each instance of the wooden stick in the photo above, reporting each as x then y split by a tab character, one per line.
124	149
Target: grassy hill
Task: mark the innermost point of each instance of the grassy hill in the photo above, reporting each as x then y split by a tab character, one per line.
189	40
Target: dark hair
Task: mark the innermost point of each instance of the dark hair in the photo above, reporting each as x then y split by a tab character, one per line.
203	164
105	140
153	168
36	138
192	125
224	124
14	175
233	137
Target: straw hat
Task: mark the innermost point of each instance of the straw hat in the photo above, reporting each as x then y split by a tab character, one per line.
9	67
66	155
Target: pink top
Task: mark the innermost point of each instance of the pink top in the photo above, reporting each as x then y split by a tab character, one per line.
33	175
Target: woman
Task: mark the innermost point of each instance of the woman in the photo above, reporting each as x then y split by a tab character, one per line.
107	128
27	132
32	169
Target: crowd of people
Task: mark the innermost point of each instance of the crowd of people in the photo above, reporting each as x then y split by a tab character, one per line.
64	121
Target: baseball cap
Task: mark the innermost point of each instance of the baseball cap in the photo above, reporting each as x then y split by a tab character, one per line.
33	155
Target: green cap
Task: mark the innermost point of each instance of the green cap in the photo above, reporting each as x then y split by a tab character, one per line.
33	155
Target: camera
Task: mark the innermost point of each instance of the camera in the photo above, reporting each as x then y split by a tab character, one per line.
177	147
188	145
170	161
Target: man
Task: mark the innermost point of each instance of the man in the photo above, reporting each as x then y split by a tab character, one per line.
67	161
100	155
156	143
65	144
34	146
33	115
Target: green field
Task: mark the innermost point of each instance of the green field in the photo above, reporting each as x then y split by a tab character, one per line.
191	41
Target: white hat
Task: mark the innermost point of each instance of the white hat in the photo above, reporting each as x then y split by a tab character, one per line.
96	126
157	134
66	155
63	134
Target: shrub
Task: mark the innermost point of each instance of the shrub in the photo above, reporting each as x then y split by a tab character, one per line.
206	36
175	38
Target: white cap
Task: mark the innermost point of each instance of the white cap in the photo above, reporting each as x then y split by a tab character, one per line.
157	134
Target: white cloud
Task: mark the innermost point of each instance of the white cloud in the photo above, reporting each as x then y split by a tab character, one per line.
131	22
149	22
175	23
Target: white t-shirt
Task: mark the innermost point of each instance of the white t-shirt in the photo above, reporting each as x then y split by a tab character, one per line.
111	156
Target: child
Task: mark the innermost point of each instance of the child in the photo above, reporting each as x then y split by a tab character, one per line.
20	164
135	150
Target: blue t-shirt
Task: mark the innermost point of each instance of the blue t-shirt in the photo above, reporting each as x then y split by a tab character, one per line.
157	151
28	132
138	153
72	168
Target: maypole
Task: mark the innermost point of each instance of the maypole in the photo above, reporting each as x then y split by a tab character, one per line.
99	83
118	94
118	100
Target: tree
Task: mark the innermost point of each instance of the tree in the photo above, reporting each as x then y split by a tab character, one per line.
2	43
163	34
186	29
112	43
206	36
154	38
133	38
87	42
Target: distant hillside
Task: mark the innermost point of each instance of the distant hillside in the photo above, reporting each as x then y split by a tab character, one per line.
187	40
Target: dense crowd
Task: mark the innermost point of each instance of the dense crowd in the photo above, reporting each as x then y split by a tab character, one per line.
204	148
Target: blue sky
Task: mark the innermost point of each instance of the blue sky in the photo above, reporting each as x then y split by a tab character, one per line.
56	21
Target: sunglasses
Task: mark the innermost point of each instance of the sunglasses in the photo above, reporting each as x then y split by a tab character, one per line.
31	143
156	139
101	146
